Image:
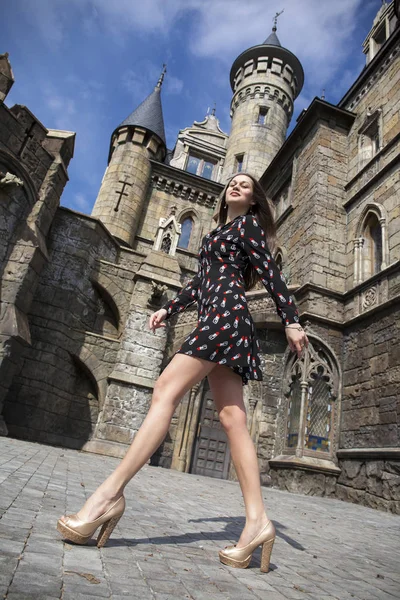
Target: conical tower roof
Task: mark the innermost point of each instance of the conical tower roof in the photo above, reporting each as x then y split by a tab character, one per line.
149	113
272	39
273	49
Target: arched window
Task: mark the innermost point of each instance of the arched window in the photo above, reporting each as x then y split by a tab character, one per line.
184	238
166	243
311	403
279	260
372	246
318	412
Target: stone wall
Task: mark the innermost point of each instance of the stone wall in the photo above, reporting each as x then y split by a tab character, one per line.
33	162
371	382
57	394
373	483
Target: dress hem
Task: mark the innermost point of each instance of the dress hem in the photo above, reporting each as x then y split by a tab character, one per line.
245	380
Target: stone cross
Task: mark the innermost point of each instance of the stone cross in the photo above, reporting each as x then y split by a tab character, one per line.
278	14
121	193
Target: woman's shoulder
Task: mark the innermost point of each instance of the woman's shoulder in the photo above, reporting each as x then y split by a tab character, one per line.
250	222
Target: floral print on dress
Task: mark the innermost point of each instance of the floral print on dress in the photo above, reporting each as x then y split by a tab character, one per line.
225	332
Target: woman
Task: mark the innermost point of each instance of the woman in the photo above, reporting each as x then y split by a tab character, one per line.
223	347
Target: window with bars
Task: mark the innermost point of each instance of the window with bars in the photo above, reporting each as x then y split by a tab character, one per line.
293	421
311	399
318	413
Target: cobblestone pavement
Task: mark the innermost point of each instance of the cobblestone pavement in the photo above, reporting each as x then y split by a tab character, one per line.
166	545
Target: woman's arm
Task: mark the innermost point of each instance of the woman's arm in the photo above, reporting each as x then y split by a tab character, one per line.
254	243
186	297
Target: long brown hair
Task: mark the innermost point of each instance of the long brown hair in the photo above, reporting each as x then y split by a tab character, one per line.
264	215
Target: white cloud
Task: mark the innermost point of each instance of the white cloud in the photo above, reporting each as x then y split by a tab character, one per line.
316	31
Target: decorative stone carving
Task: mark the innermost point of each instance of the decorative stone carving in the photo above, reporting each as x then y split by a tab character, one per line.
370	297
9	179
168	234
157	293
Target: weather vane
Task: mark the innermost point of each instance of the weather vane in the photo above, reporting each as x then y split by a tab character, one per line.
275	19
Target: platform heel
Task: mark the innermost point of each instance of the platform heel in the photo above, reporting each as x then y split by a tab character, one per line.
106	531
266	555
80	532
241	557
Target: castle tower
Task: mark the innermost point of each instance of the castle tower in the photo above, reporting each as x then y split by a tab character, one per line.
138	139
265	81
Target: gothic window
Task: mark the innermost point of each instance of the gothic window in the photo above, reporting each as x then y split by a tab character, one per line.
318	413
200	166
186	230
239	163
262	115
372	246
294	406
311	410
166	243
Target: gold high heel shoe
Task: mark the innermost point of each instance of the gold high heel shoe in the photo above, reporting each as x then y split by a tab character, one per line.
80	532
241	557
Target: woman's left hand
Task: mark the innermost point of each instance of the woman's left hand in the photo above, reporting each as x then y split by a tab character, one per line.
296	339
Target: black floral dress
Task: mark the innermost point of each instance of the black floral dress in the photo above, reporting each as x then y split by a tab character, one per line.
225	331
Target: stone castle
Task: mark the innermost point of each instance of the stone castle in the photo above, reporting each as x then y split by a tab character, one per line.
77	360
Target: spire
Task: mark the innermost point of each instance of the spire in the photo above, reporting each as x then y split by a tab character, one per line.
161	78
149	113
272	39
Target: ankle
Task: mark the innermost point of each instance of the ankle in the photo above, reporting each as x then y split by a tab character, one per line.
257	519
110	492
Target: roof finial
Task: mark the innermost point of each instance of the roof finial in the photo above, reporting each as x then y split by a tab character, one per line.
275	19
323	94
160	81
213	110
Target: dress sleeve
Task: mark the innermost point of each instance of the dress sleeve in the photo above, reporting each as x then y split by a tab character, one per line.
187	295
254	243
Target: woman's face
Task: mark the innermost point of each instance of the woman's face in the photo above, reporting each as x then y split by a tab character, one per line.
239	193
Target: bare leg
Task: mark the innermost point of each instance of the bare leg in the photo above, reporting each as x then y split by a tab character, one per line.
227	390
177	378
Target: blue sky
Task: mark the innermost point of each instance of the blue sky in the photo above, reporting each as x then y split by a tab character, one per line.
84	65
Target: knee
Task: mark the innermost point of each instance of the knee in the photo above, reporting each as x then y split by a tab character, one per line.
163	393
232	418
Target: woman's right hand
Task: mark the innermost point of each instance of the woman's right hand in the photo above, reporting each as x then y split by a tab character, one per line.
156	319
